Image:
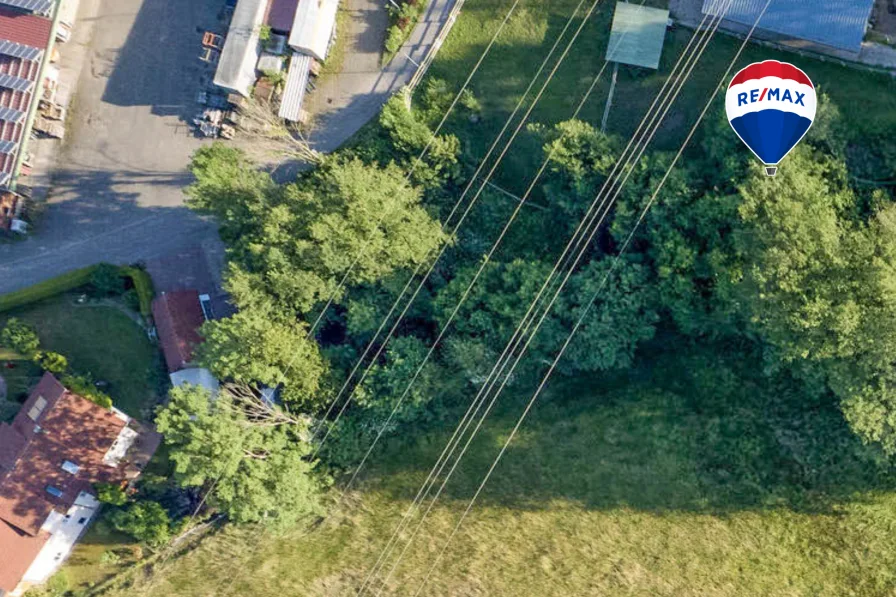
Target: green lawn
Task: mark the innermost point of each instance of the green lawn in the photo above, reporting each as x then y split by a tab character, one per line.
690	476
99	340
867	100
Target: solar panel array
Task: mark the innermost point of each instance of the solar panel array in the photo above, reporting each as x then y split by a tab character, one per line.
38	6
16	50
11	115
15	83
7	147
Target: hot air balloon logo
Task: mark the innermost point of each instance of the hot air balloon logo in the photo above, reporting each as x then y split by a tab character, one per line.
770	106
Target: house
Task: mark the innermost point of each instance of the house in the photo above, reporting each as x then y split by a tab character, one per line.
178	316
827	26
51	456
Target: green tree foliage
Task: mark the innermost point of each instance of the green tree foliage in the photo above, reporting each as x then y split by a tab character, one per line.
52	362
581	158
256	472
410	135
145	520
20	337
230	187
621	316
297	242
258	346
111	493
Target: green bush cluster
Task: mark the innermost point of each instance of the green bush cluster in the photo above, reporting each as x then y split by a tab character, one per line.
47	288
402	21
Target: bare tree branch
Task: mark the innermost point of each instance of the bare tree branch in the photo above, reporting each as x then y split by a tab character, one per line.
269	135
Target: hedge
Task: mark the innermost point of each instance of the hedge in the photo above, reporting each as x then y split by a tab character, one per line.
47	288
143	287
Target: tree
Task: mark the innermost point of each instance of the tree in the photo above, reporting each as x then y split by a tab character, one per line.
259	346
107	280
145	520
621	316
20	336
111	493
256	470
229	186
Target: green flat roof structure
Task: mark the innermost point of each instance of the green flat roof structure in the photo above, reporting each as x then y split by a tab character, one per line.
637	35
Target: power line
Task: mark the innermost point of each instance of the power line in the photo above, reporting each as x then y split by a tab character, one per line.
511	346
444	246
589	304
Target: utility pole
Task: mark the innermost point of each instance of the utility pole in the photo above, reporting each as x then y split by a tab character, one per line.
603	121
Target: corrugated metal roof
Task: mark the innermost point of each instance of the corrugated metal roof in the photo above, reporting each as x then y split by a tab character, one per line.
637	35
236	67
296	83
39	6
836	23
313	26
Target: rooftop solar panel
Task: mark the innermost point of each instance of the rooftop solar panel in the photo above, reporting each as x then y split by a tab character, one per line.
15	83
11	115
11	48
7	147
4	178
39	6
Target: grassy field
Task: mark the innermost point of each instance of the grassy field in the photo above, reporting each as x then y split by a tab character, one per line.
867	100
690	476
100	340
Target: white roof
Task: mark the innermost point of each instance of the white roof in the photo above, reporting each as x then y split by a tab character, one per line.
236	66
296	83
313	26
196	377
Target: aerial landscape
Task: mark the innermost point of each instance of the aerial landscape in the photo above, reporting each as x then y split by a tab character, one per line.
447	297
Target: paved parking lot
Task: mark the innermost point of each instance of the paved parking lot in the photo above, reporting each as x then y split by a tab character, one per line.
116	195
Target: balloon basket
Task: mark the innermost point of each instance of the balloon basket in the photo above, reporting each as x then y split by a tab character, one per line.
771	170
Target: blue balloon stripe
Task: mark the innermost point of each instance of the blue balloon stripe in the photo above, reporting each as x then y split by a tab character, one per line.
771	133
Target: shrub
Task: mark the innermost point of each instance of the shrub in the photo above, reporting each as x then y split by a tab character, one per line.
394	39
107	280
142	286
20	337
145	521
47	288
111	493
109	557
83	386
52	362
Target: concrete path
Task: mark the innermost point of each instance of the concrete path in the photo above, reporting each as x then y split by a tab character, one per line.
117	192
346	101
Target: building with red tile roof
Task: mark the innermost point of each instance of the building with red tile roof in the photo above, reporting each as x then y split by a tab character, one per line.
53	453
178	316
24	39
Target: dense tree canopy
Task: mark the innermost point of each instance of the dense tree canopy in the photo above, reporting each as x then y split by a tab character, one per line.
255	471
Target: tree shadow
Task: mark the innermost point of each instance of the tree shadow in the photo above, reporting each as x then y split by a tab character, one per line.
697	431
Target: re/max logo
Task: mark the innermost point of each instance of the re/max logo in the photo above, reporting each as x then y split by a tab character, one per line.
769	94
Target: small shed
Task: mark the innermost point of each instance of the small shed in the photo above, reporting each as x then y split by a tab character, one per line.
313	27
242	47
178	316
637	35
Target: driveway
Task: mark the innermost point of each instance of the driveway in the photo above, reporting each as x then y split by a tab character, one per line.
346	101
116	194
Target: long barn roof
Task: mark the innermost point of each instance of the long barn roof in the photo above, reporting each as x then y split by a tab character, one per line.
835	23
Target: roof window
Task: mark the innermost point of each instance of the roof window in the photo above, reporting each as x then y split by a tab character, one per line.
39	405
70	467
54	491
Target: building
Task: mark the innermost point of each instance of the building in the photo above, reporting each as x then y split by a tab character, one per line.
828	26
301	31
178	316
51	456
637	35
25	36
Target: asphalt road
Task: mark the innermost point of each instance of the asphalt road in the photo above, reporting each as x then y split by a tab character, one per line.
116	193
